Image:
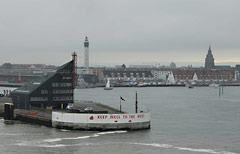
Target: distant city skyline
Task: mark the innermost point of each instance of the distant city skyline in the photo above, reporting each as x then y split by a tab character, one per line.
120	32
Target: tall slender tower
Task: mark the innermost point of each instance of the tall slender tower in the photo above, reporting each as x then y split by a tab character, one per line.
209	60
86	53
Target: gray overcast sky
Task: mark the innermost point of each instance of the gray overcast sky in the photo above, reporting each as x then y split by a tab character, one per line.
119	31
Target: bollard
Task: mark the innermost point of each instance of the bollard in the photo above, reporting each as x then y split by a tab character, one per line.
8	111
219	90
11	111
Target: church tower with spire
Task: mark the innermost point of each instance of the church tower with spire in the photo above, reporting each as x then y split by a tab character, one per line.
209	60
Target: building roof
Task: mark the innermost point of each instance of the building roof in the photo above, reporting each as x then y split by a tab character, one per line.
31	86
64	66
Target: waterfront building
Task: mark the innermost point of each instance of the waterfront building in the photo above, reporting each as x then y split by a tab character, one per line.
203	75
98	72
237	68
222	67
121	75
52	90
22	73
209	60
161	74
9	76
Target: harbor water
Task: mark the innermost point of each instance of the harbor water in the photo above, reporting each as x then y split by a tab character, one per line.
184	121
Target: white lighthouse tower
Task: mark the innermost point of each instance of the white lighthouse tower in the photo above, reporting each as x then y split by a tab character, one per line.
86	53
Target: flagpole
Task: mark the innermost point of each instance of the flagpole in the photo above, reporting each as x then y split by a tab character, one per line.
136	105
120	105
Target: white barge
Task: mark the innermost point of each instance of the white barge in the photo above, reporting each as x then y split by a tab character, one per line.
89	121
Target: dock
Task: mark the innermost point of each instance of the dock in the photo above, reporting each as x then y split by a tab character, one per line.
43	117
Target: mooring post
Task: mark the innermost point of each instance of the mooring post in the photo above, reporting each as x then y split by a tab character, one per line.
222	89
136	105
8	111
219	90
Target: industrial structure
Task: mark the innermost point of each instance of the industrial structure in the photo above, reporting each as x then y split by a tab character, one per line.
86	53
53	90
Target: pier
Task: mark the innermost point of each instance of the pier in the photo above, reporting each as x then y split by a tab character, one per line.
43	117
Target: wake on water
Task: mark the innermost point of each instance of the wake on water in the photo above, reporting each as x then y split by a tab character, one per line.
211	151
41	144
83	137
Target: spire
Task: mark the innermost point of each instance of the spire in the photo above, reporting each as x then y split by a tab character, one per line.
209	60
209	47
209	50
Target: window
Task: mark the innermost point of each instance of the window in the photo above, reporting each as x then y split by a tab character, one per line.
55	84
55	98
65	84
66	77
63	98
112	75
68	84
38	99
44	91
69	91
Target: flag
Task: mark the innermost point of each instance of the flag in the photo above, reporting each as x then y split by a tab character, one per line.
122	98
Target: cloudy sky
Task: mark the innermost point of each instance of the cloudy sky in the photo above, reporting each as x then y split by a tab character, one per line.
119	31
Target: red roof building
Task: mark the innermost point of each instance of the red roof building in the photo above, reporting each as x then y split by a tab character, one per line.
204	75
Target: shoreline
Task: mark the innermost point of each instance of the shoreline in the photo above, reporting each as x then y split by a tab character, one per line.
16	85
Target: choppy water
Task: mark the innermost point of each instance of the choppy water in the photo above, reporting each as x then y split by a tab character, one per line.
184	121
